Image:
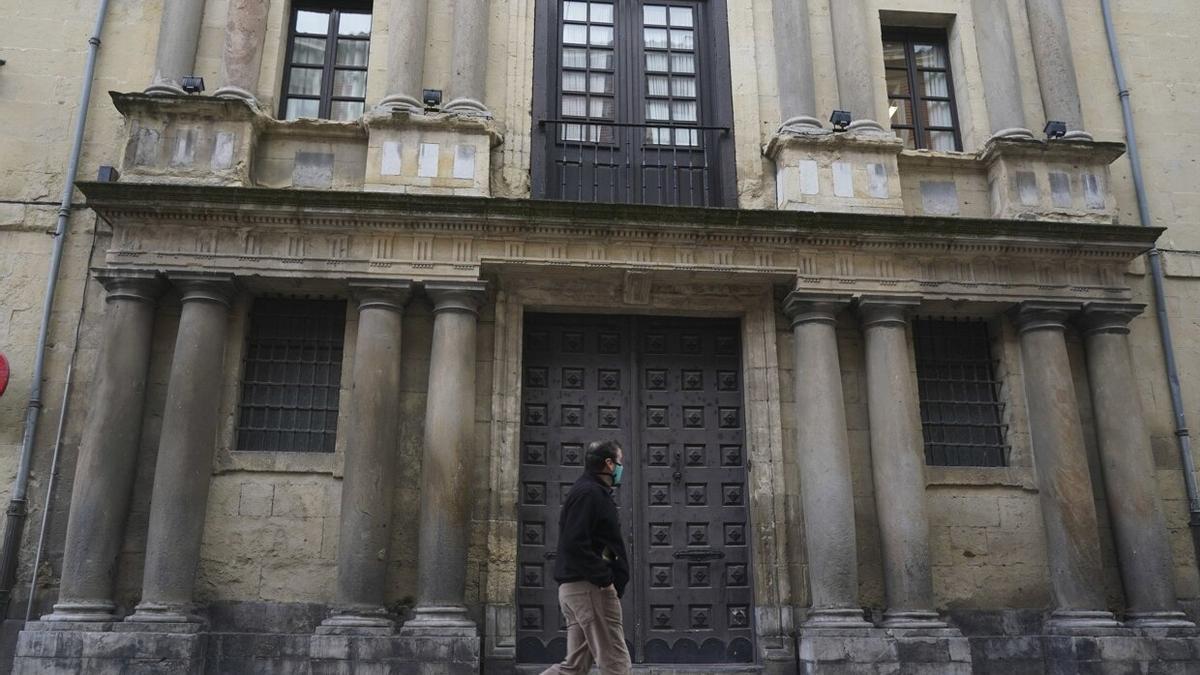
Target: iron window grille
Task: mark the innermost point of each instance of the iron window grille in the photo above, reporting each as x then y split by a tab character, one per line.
325	73
292	375
962	417
920	88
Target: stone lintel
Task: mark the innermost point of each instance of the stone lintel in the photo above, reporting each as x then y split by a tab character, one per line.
435	120
825	140
131	104
1065	150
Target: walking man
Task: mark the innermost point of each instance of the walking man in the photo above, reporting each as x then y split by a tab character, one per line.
592	568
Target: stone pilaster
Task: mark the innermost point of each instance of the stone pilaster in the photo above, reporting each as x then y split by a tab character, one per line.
449	431
368	482
183	471
854	52
823	455
1128	468
241	55
406	54
468	62
108	450
793	65
178	38
998	62
1064	482
1055	66
898	463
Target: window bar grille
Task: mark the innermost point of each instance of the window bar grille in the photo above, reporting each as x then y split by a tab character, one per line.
961	414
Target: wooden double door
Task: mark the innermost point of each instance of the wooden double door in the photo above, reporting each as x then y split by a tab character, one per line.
671	391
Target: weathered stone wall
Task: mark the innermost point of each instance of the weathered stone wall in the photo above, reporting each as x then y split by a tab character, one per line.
271	532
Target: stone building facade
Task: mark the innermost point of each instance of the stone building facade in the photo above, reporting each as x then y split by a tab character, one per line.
324	355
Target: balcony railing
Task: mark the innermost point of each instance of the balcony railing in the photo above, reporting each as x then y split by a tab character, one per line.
607	162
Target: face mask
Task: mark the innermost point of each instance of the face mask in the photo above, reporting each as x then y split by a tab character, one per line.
616	474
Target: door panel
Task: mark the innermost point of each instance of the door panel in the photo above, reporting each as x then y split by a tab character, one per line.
670	390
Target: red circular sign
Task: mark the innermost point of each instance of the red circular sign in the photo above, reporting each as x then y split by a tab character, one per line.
3	374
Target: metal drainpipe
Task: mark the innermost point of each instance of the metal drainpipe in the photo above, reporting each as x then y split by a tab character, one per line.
1156	274
15	515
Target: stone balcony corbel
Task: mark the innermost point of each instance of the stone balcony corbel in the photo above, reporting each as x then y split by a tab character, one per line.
188	138
1059	179
821	170
430	152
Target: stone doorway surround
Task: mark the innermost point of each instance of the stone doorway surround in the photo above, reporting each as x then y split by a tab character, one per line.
606	291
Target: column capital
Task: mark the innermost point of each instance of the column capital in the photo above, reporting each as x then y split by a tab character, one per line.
219	288
1109	317
456	296
884	310
136	285
390	294
1043	314
808	307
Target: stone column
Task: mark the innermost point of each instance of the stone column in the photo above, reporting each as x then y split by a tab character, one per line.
446	463
178	37
824	462
1064	482
373	435
406	54
793	65
898	463
1128	467
468	62
1055	65
183	471
241	57
108	450
854	52
998	61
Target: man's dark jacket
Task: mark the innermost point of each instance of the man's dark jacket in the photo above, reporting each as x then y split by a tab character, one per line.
590	547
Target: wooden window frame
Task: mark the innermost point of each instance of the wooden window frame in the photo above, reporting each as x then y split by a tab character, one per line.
919	126
325	99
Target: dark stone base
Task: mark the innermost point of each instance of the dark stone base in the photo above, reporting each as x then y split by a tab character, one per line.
63	650
874	651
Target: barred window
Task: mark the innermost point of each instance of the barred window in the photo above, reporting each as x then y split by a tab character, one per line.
961	414
292	375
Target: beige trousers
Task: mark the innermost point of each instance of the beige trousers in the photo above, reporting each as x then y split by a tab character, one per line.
594	630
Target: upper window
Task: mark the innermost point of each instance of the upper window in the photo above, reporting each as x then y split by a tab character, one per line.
920	92
326	70
961	414
635	105
292	375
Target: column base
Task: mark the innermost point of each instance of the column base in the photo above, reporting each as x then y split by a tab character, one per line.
846	618
363	621
99	611
467	106
230	91
163	612
164	89
401	102
1081	622
1140	620
440	621
912	618
44	648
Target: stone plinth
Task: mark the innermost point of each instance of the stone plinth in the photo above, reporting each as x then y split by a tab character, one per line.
435	153
52	647
877	650
854	171
188	139
337	654
1062	179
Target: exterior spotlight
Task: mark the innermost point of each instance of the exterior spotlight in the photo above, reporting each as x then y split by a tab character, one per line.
1055	129
840	119
108	174
432	98
192	84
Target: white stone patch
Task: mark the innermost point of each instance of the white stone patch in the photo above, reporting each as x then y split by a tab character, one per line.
843	179
939	198
1060	189
184	151
1027	189
809	174
427	161
1093	191
877	180
780	177
222	157
389	162
464	162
